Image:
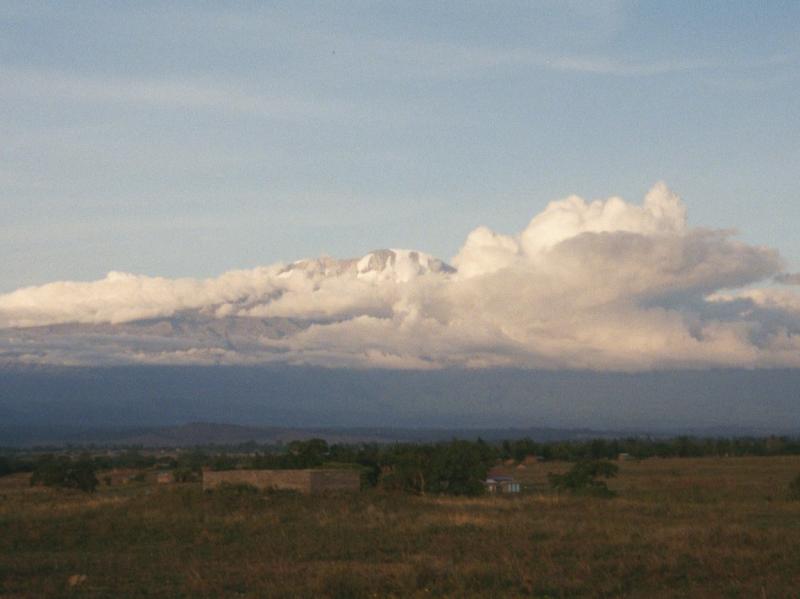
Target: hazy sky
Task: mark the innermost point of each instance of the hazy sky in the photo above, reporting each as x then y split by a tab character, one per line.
190	138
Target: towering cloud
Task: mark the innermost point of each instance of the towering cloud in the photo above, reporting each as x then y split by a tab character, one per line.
600	285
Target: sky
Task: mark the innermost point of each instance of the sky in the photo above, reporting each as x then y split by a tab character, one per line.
565	213
190	139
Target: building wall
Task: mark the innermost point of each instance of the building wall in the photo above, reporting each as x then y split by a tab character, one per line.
304	481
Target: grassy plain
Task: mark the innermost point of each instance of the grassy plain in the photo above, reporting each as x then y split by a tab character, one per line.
705	527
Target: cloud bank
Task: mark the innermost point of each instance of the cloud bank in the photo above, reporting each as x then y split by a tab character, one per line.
604	285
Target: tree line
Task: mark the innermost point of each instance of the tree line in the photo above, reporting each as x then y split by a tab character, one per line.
455	467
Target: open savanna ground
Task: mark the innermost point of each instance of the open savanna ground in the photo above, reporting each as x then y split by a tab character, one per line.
704	527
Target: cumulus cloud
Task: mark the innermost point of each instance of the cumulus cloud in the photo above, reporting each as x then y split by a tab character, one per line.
788	278
122	297
605	284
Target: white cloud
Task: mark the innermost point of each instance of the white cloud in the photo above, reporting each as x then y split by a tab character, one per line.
788	278
419	58
782	300
192	94
599	285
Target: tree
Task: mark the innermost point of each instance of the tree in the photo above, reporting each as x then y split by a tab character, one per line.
454	468
82	476
63	472
582	478
184	474
460	467
408	468
6	466
308	454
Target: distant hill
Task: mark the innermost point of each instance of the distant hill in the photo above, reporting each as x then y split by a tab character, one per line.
187	435
209	433
150	405
199	433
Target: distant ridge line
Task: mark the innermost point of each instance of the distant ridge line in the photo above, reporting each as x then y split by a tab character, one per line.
227	434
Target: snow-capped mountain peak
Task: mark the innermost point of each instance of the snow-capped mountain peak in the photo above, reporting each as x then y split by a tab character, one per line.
401	265
395	264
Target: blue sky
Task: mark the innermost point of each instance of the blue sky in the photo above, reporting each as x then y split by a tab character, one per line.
188	138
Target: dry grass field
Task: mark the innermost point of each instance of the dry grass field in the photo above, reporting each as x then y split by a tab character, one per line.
703	527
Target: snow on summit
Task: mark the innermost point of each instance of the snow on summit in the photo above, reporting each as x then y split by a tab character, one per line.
394	264
400	265
606	285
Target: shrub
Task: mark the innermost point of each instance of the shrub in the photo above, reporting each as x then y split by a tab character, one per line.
794	488
185	474
6	466
582	478
67	474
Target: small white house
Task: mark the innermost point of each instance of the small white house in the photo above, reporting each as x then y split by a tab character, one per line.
501	484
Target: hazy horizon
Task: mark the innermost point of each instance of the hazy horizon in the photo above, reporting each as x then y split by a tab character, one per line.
762	400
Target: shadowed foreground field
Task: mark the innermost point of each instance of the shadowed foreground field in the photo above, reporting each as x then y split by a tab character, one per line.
679	528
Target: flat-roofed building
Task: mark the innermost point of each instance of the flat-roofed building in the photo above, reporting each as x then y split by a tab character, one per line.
502	484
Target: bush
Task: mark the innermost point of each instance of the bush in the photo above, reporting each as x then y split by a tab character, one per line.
184	474
582	478
67	474
794	488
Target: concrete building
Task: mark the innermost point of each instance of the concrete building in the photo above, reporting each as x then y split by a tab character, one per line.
501	484
303	481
